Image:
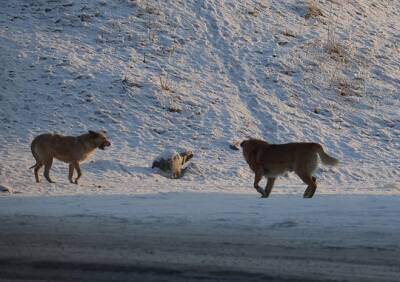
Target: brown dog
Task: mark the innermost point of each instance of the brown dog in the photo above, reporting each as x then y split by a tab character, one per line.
69	149
271	160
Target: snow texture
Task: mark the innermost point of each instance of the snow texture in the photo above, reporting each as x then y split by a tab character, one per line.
201	74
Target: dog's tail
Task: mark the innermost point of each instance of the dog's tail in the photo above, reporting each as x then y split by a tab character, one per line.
325	158
34	154
235	145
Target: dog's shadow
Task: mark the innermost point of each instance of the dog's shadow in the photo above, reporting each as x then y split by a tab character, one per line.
115	165
97	166
168	174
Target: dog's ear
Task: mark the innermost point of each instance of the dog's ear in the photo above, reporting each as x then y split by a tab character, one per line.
187	154
91	132
243	143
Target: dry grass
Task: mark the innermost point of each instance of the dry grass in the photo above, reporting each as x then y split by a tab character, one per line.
127	84
339	50
347	87
253	13
164	83
313	11
288	33
174	109
152	37
332	47
342	51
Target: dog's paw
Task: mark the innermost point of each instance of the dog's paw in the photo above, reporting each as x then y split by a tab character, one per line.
262	192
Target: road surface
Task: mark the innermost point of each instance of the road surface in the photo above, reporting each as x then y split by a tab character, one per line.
212	237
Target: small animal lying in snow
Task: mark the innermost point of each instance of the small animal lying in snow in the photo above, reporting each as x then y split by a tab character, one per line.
173	162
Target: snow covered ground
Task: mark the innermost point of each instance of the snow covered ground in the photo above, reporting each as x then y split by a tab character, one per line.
201	74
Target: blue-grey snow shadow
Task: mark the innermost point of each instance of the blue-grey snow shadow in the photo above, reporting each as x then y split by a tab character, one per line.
118	166
115	165
245	212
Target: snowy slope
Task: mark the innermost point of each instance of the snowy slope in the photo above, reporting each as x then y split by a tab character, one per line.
201	74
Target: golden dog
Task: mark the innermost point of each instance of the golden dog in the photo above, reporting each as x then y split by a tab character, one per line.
271	160
69	149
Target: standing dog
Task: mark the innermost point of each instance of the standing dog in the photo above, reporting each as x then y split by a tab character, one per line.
271	160
69	149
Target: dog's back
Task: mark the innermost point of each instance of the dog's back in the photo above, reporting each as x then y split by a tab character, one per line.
69	149
275	159
57	146
271	160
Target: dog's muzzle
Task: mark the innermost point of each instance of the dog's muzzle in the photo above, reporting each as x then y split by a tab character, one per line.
104	145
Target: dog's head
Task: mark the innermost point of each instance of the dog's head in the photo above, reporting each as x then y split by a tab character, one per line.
186	156
245	146
240	144
252	142
250	147
99	139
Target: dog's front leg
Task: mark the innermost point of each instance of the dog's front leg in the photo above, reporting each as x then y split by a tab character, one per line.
78	171
70	172
257	179
270	184
47	167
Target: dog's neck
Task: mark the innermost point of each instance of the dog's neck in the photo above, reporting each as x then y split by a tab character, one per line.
87	143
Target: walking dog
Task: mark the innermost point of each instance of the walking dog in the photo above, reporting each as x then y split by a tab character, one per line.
69	149
271	160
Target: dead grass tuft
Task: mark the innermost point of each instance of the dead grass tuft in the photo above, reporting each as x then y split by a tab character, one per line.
338	51
348	88
253	13
164	83
313	11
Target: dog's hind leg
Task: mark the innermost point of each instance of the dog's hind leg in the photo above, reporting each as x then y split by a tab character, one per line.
311	190
37	166
257	178
268	188
78	170
312	185
47	166
70	172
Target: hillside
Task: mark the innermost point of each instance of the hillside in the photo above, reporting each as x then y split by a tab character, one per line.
200	75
